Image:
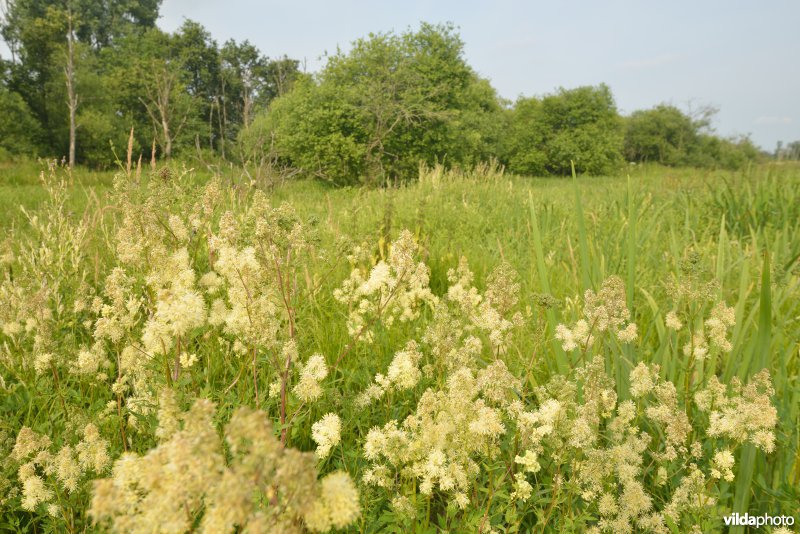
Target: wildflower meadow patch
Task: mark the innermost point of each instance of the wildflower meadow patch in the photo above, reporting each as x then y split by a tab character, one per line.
475	352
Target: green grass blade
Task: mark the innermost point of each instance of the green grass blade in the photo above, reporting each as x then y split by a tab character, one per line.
631	285
622	366
759	356
721	246
562	365
583	247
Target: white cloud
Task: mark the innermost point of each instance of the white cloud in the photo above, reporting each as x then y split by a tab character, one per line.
766	119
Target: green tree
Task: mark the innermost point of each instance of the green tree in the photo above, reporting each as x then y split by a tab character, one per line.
49	40
374	113
276	79
20	133
579	125
160	97
663	134
669	136
523	146
249	81
727	153
792	151
311	129
197	74
106	20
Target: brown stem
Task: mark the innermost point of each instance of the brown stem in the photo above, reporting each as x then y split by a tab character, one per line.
586	342
286	295
552	502
121	424
176	370
255	379
364	328
284	398
58	390
119	408
241	370
166	363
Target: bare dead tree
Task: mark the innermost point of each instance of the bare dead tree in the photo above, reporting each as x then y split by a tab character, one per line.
247	95
160	104
222	120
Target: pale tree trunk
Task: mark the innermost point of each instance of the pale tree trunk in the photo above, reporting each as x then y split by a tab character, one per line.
161	108
211	125
222	114
247	102
167	138
222	121
72	95
281	79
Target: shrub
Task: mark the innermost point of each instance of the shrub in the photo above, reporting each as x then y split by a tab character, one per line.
579	125
20	133
374	113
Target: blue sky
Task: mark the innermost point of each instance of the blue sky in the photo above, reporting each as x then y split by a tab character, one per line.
742	57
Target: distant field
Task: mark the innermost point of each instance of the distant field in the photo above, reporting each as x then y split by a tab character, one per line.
676	240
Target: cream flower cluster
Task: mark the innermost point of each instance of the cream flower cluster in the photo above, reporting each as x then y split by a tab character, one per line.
605	448
403	373
179	307
612	453
42	472
746	415
712	335
491	313
395	290
326	433
251	311
314	371
203	485
118	315
603	311
438	445
444	336
721	320
337	506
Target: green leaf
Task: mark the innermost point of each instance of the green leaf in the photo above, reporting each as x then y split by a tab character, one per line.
747	462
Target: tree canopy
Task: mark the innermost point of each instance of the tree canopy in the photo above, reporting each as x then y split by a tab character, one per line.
375	112
573	125
181	90
83	73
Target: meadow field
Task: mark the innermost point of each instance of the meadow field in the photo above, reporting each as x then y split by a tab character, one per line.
185	350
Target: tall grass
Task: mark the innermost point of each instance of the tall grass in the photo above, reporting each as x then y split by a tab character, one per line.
651	228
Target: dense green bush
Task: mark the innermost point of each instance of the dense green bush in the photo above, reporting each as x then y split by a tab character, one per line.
730	153
374	113
310	129
578	125
20	134
663	134
667	135
99	132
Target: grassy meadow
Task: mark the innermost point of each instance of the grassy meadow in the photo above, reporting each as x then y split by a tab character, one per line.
159	333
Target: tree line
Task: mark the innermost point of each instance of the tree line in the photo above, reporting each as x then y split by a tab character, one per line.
83	73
